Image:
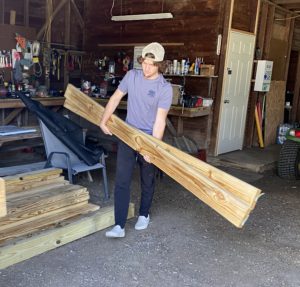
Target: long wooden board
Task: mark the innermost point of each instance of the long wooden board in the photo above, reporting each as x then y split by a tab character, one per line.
25	248
27	180
229	196
2	198
42	222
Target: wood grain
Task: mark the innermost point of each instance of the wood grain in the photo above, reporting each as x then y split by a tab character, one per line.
3	210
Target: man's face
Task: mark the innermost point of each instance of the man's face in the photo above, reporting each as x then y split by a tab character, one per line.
150	70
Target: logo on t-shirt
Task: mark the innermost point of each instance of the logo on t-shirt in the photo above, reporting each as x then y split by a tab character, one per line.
151	93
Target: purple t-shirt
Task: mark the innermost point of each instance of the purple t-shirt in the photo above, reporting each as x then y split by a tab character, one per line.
144	98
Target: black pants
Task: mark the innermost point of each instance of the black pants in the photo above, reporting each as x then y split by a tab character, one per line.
126	160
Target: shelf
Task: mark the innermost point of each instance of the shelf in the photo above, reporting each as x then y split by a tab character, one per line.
188	75
210	78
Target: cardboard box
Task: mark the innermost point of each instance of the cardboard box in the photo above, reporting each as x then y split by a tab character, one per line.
207	102
176	94
207	70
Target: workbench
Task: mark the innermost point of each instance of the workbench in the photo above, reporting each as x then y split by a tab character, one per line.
11	109
18	106
23	136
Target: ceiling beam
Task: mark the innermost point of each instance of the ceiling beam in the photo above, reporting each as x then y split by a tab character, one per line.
78	15
285	2
52	16
282	7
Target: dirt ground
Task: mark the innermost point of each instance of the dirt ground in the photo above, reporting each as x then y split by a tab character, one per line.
186	244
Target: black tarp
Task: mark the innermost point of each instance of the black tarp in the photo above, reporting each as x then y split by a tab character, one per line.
68	132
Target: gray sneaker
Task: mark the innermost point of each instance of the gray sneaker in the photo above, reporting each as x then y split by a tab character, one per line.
116	232
142	222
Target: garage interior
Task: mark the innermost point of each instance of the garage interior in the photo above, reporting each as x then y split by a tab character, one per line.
217	113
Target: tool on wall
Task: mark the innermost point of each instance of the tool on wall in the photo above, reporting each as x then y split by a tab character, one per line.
47	61
126	62
5	59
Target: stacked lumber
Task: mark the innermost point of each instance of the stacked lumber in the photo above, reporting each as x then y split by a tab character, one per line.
39	199
226	194
3	210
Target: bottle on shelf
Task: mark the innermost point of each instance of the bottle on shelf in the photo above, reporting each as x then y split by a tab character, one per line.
186	67
196	68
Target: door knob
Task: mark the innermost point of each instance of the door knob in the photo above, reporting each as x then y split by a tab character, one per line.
226	101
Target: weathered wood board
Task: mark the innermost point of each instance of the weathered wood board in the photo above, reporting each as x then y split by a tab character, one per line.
20	249
274	111
2	198
229	196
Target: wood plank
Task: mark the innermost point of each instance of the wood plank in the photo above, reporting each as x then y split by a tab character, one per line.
296	101
23	186
275	99
26	13
12	115
35	203
135	44
269	32
77	14
3	210
48	185
18	219
19	250
290	33
51	16
32	226
17	103
1	11
234	206
19	137
33	176
12	170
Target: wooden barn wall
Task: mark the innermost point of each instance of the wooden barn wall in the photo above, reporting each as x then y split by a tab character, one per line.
296	38
274	42
295	74
243	17
34	16
275	99
196	25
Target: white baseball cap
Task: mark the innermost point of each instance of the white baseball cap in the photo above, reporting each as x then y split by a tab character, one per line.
156	49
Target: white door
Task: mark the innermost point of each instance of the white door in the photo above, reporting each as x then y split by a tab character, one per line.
236	87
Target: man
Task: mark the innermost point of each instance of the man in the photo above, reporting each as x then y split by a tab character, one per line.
149	99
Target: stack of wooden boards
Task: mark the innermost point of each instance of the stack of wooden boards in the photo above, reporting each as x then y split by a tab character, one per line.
40	211
39	199
231	197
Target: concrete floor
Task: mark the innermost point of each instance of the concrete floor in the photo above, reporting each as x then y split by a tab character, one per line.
186	244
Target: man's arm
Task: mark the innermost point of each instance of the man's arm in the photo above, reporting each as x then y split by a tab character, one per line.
159	127
109	109
160	123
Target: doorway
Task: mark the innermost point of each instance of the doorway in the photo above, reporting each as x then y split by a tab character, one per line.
236	86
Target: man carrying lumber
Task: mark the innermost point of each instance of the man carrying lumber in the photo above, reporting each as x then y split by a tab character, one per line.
149	100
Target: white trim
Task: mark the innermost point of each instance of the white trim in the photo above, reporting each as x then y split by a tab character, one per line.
142	17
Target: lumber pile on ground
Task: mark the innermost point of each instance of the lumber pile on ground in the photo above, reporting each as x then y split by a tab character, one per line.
229	196
44	211
39	199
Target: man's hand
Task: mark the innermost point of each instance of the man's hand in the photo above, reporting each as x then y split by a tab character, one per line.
147	158
105	129
109	109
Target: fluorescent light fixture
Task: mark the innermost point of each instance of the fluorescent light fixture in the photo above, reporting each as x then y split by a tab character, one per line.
142	17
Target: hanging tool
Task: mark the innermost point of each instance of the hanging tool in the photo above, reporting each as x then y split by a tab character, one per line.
258	127
58	66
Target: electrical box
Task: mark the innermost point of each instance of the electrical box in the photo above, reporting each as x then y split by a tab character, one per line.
263	76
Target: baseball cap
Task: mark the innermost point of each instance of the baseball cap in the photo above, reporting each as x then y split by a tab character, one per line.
156	49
